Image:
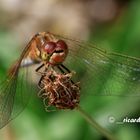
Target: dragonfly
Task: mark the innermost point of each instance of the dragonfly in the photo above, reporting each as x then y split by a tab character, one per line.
67	69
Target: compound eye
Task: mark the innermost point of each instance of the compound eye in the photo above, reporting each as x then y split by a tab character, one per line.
61	45
50	47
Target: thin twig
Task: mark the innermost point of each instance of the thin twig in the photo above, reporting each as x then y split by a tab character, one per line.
95	125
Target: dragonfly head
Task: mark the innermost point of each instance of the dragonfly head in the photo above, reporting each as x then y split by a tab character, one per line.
54	52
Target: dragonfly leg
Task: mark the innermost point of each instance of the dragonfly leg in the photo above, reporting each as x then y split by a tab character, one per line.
42	73
62	68
65	68
41	66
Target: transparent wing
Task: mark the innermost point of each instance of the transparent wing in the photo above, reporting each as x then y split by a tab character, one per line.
103	73
14	96
15	91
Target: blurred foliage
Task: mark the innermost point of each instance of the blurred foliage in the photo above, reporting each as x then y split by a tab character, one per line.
119	33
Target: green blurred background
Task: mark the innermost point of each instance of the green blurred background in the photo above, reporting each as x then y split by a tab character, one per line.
112	24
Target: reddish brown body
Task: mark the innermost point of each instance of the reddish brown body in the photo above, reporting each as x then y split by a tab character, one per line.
45	47
57	88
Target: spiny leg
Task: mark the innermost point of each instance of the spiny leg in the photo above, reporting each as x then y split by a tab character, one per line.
42	73
41	66
65	68
61	70
61	67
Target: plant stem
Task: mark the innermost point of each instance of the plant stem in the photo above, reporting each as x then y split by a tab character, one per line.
95	125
